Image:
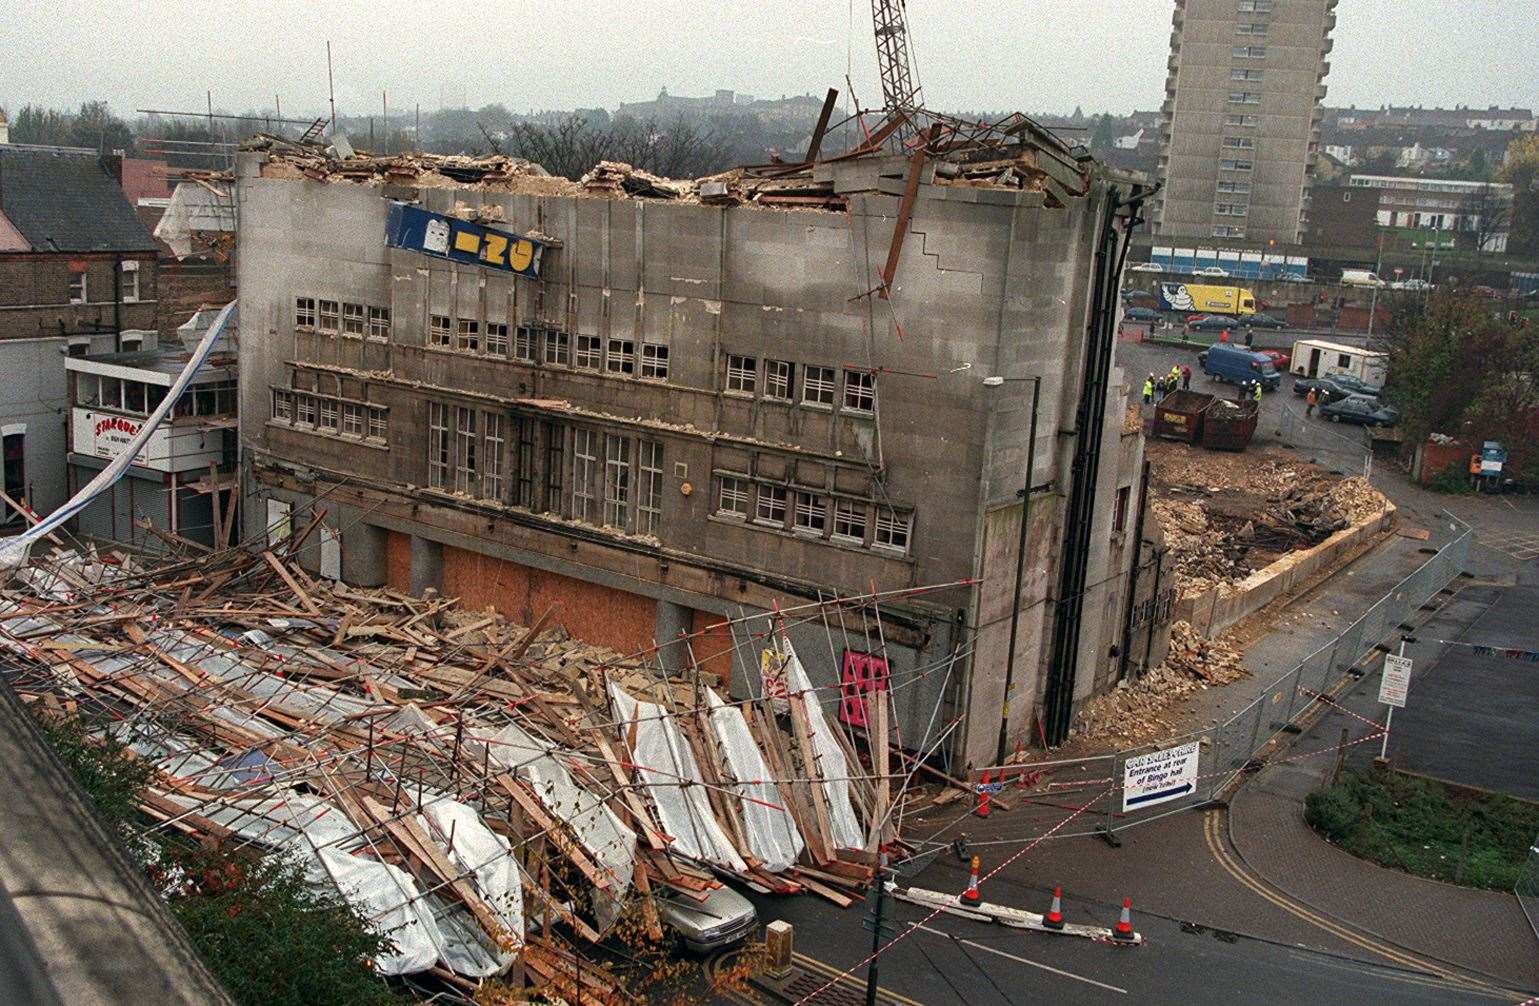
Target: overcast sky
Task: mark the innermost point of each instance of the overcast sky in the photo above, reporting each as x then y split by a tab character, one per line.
1032	55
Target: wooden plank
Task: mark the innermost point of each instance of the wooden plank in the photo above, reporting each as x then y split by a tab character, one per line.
810	765
293	584
880	743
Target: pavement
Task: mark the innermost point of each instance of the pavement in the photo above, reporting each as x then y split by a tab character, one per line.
78	922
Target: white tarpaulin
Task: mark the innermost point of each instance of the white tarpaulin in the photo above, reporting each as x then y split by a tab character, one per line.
667	765
832	767
488	859
388	897
767	825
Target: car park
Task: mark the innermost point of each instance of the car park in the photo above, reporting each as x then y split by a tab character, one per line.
1361	409
1142	314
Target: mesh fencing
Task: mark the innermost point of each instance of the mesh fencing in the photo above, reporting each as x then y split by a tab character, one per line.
1527	887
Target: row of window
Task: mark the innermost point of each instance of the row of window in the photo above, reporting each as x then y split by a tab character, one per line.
1249	52
1239	143
330	317
1234	188
554	347
327	414
1252	28
809	512
1236	164
1244	98
1242	121
128	284
137	398
1231	209
1227	231
1253	7
1244	73
776	381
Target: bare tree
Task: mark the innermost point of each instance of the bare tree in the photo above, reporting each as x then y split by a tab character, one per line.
1489	211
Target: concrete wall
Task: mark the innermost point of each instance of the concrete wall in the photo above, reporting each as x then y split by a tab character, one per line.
34	401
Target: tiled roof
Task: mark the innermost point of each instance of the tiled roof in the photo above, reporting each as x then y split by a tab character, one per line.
65	202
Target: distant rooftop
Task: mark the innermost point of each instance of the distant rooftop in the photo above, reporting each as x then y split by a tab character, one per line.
60	200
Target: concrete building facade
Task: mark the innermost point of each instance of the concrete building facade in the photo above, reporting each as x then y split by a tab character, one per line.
1242	118
702	412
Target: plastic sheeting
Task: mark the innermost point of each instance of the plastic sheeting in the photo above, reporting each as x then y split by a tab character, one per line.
667	765
832	767
767	824
390	899
487	857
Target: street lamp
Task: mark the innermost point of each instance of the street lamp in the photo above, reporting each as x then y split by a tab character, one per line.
1024	493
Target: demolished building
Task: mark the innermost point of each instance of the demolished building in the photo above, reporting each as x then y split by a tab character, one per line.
658	407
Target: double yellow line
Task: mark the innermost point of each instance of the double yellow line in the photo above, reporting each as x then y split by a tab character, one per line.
813	966
1212	831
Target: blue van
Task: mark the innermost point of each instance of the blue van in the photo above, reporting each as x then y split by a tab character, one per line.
1225	362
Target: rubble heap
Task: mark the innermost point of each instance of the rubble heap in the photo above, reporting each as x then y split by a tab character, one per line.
1145	709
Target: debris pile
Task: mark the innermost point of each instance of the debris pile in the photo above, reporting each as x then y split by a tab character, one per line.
465	779
1145	709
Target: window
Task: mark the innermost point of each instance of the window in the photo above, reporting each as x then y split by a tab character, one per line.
733	500
1343	360
1249	52
304	312
133	397
497	338
1242	121
553	466
129	285
1235	188
779	378
79	348
438	445
353	320
352	419
1226	231
1255	28
304	409
492	477
584	456
1254	7
859	390
650	501
77	287
1244	98
466	475
283	406
1232	164
589	349
524	490
112	393
654	361
523	344
469	336
328	410
130	343
440	331
377	426
892	529
818	385
850	520
772	505
617	480
811	513
621	358
1239	143
558	347
1230	209
379	324
742	373
329	315
13	458
1241	73
1120	517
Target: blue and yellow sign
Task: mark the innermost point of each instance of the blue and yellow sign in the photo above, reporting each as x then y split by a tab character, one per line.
461	241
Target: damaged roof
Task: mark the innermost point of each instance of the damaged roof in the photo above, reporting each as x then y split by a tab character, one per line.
65	201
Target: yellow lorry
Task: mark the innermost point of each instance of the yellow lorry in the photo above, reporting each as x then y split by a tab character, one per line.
1200	298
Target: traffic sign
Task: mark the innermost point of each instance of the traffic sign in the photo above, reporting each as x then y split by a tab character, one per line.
1160	776
1396	681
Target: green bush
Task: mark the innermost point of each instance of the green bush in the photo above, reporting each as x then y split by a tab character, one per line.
1453	479
1426	828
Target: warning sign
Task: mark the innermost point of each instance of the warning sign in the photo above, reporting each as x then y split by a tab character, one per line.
1160	776
1395	685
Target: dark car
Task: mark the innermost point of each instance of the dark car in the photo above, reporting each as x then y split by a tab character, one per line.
1333	387
1212	323
1265	321
1360	409
1142	314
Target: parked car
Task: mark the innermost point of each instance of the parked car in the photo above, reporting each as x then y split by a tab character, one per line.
1415	285
1333	387
1293	277
1279	358
725	917
1265	321
1361	409
1225	361
1214	323
1209	270
1143	314
1145	267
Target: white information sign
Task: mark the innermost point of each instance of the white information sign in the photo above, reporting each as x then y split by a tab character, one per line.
1160	776
1396	682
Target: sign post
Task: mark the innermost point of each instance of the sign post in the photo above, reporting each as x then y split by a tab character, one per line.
1394	686
1160	776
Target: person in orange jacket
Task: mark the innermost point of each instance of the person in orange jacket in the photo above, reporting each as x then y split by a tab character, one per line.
1310	401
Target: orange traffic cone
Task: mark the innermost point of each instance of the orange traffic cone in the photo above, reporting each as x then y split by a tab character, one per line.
982	810
970	896
1124	930
1054	917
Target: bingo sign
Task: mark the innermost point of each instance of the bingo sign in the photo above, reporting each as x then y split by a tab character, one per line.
861	675
1159	777
110	435
461	241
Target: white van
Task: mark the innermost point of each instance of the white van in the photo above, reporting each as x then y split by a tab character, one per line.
1360	277
1319	358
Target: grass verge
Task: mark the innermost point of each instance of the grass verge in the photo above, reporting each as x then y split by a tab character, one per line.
1426	828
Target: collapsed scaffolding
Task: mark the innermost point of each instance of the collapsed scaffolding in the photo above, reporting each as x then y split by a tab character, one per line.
481	791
